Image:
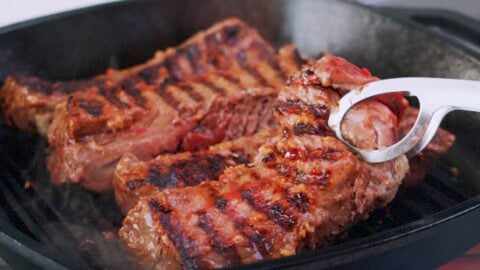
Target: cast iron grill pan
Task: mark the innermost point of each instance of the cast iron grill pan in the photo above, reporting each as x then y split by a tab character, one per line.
51	227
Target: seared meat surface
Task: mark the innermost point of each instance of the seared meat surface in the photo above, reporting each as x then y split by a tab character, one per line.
134	178
219	85
28	102
303	188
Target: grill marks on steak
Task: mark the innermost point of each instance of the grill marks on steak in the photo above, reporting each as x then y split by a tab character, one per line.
302	189
28	101
134	178
219	85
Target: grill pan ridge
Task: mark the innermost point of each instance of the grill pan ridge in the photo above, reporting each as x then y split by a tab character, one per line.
50	227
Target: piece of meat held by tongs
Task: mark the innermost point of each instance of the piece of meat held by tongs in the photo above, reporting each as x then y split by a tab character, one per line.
437	97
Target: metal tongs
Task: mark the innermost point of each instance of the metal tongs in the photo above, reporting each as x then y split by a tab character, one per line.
437	97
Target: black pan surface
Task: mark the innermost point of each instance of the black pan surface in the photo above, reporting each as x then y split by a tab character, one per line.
66	227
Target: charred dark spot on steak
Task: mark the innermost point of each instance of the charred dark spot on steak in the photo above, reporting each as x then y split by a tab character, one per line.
309	72
221	203
155	206
129	82
269	157
273	210
135	183
167	97
257	237
312	129
47	87
243	62
150	74
282	215
189	172
231	78
185	245
74	86
299	201
34	83
213	87
320	111
298	106
219	241
158	178
230	34
110	94
174	71
211	43
265	54
137	96
240	157
192	53
92	107
191	93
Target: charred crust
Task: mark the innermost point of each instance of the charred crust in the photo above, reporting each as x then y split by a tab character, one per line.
150	74
137	96
230	34
213	87
110	95
166	96
189	172
191	93
297	107
92	107
240	156
130	82
257	237
309	71
136	183
47	87
273	210
269	157
230	78
184	244
300	202
312	129
219	241
243	62
265	54
155	207
173	70
192	53
221	203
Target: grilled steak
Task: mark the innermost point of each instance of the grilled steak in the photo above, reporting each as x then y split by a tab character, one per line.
219	85
28	102
303	188
423	161
134	178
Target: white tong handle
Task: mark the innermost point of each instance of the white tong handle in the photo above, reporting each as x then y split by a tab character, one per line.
437	97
